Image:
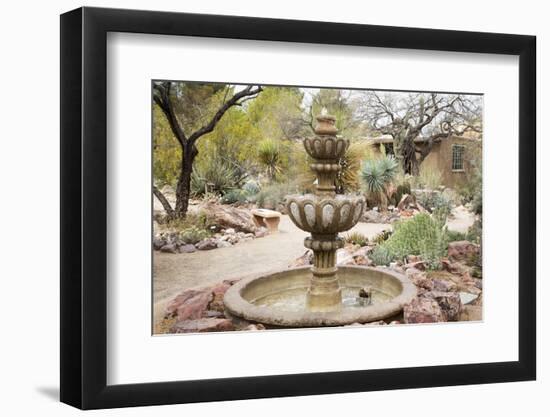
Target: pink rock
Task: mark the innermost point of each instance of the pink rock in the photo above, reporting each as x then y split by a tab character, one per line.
203	325
443	285
449	303
186	297
419	265
462	250
218	292
423	310
195	307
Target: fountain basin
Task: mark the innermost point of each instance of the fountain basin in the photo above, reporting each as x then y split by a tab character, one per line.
325	214
279	298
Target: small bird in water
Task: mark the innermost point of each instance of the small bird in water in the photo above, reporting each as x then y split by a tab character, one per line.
365	296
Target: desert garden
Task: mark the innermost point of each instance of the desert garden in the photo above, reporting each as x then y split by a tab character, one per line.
227	157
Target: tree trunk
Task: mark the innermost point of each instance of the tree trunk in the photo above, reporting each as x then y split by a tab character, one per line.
183	188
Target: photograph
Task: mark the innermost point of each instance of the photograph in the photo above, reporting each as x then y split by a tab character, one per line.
291	207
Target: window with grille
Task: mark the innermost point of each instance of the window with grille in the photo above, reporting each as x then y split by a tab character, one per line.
458	158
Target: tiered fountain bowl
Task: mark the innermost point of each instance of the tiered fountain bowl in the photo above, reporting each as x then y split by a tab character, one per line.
324	294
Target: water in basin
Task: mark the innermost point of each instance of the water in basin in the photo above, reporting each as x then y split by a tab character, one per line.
294	299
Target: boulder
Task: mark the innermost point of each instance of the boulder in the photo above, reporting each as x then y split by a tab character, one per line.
188	248
203	325
423	310
443	285
419	265
218	292
207	244
169	248
406	201
158	243
449	303
223	244
471	313
229	217
190	304
462	250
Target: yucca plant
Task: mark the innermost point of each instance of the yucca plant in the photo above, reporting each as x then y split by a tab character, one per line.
377	174
269	155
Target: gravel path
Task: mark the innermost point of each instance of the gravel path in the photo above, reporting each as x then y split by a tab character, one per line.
174	273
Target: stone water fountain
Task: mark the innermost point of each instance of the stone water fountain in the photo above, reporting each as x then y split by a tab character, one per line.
324	294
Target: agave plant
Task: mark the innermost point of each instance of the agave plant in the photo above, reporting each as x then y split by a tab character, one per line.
377	174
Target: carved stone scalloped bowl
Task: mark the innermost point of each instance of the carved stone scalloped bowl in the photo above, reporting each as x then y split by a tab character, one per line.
326	147
325	215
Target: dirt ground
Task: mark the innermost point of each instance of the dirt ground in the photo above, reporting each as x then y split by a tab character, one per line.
174	273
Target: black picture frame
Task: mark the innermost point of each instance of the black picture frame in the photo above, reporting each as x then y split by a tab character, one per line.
84	207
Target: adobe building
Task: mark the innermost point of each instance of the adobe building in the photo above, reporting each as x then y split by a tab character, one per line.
453	157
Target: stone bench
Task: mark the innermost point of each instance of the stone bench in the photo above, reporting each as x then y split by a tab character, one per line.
267	218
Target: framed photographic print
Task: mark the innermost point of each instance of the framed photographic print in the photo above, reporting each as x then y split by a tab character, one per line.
258	208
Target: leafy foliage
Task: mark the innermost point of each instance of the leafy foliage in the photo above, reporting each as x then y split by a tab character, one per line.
215	177
356	238
269	155
378	173
381	255
194	234
421	235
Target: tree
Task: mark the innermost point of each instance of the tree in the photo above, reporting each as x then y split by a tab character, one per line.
408	117
181	104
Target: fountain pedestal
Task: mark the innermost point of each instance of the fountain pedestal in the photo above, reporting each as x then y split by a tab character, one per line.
325	214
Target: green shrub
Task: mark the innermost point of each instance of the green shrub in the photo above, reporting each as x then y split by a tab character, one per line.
453	236
356	238
272	195
216	177
475	232
382	236
381	256
422	236
439	204
234	196
251	188
193	235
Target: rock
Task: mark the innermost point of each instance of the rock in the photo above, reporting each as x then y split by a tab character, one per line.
423	310
395	322
158	243
229	231
419	265
190	304
467	298
213	314
372	216
229	217
261	232
223	244
449	303
443	285
203	325
377	323
207	244
169	248
462	250
453	267
257	326
406	201
218	292
188	248
411	273
471	313
305	259
419	279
